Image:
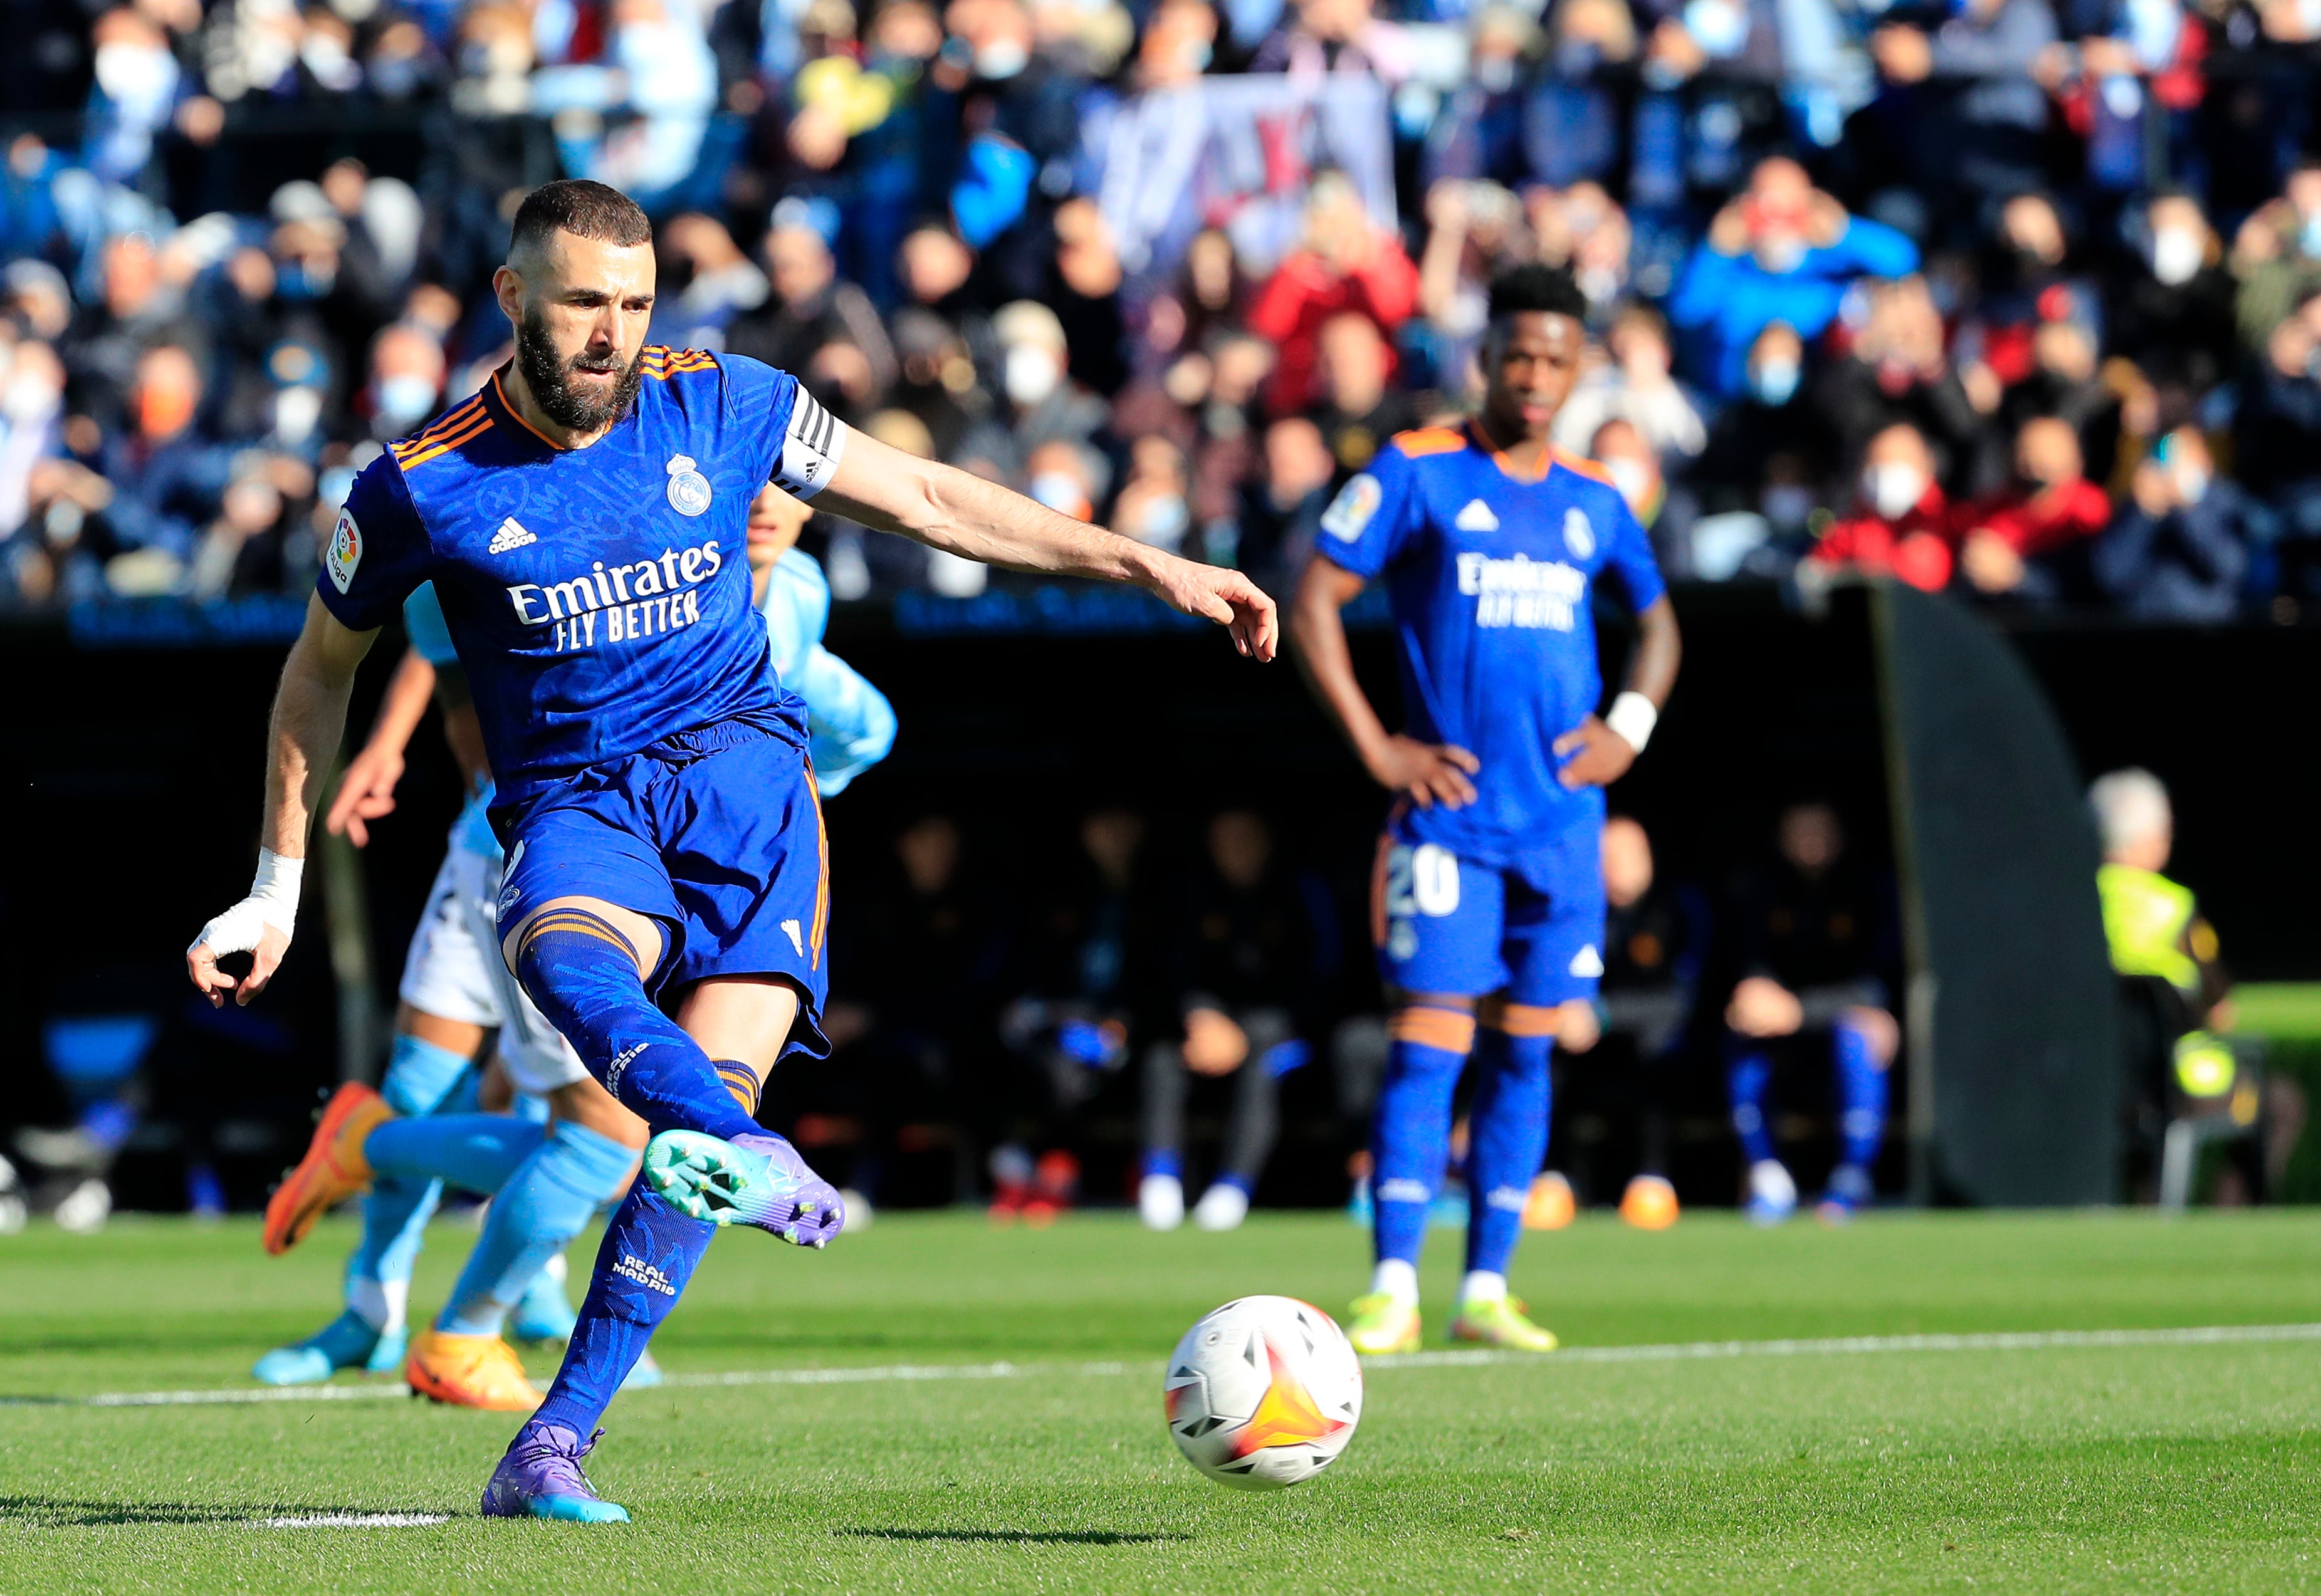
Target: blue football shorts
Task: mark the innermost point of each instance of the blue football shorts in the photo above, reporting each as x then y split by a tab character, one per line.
716	833
1459	928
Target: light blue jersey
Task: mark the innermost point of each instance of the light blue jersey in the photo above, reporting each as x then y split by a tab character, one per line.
850	722
423	622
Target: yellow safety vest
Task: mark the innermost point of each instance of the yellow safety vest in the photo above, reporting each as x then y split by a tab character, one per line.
2146	917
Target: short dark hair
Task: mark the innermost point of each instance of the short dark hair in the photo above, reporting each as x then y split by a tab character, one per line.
584	209
1550	290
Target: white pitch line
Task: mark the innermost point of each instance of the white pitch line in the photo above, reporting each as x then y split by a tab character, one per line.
353	1521
1682	1351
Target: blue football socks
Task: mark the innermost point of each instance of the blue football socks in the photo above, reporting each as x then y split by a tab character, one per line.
1861	1094
420	1075
1507	1134
474	1151
650	1250
542	1206
1411	1135
1748	1077
582	972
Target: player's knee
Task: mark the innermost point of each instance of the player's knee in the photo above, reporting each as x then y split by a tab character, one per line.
574	924
1521	1020
1424	1023
1877	1030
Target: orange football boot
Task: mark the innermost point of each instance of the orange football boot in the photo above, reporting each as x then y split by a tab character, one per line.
334	1169
468	1372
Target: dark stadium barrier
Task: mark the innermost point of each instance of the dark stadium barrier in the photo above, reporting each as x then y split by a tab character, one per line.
2014	1086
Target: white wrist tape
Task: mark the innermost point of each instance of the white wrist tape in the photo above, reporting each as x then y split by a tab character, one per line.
273	901
1632	717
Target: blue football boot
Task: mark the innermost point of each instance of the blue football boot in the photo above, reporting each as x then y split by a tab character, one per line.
544	1313
347	1342
540	1478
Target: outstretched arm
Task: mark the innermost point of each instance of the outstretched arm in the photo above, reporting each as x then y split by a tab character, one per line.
1428	773
309	717
366	790
947	509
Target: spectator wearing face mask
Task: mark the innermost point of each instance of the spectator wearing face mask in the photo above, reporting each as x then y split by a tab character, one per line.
1901	525
2179	549
1783	252
1665	510
1899	369
406	382
1633	386
1772	421
1040	403
1153	506
2172	314
2030	541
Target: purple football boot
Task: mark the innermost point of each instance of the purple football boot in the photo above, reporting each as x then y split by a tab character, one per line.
540	1478
751	1180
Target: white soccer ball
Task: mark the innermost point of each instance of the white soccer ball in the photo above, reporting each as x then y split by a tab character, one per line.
1263	1392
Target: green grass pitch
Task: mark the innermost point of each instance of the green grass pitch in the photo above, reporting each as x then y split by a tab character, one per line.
2051	1469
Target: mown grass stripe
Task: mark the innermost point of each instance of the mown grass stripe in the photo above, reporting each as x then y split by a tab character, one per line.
883	1373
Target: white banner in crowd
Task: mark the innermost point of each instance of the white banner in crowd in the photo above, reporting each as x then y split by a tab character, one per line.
1236	152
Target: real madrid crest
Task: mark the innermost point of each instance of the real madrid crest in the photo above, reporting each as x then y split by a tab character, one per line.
1577	535
689	489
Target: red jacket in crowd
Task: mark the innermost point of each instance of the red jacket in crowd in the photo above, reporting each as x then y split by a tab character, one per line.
1306	292
1918	549
2034	523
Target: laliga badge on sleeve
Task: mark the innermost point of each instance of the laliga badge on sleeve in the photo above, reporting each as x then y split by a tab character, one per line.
346	550
689	489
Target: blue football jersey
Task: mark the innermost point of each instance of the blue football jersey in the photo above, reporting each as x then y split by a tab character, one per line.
1490	577
598	598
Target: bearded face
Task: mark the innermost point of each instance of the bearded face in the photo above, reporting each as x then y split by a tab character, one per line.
581	406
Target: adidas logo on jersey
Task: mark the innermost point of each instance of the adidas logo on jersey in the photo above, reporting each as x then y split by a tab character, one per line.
1477	517
1588	962
513	534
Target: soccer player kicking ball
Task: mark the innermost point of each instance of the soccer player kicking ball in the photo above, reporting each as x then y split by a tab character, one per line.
1488	905
666	893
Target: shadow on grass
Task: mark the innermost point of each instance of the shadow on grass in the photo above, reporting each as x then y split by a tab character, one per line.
66	1512
1021	1537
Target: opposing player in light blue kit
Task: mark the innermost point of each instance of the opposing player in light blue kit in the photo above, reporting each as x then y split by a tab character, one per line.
666	894
1487	903
455	986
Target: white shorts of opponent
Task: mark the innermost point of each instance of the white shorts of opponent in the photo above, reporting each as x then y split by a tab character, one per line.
454	970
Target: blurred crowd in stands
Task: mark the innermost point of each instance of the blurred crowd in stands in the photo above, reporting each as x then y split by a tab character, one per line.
2019	298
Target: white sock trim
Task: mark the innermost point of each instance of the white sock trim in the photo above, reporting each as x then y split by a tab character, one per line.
381	1304
1483	1285
1397	1278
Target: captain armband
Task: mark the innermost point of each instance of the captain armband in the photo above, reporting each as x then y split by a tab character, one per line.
812	447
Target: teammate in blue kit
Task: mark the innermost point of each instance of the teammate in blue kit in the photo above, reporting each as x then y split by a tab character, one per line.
666	892
1487	902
